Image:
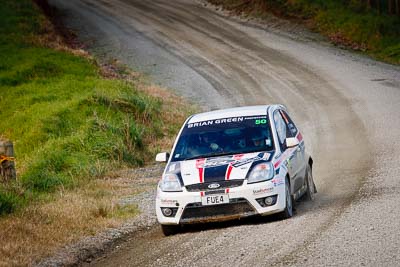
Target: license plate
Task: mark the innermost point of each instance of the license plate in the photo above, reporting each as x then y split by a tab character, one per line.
214	200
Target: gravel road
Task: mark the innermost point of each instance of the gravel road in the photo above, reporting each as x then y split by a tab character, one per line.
346	105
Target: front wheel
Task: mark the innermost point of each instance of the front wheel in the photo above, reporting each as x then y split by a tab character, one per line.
288	211
311	188
170	229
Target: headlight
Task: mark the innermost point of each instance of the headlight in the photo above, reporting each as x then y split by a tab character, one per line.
261	172
170	183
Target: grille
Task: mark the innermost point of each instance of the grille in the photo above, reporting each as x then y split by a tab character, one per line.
223	184
235	209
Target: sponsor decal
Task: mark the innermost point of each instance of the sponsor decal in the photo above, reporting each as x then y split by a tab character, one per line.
266	156
217	162
236	160
262	191
278	181
217	121
215	169
288	163
238	156
256	117
262	121
242	162
172	167
168	201
282	157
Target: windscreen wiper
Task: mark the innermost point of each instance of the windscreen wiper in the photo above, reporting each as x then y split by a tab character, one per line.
215	154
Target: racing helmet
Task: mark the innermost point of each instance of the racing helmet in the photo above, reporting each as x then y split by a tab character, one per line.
258	137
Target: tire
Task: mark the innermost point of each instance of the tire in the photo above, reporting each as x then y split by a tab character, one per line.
170	229
311	188
288	211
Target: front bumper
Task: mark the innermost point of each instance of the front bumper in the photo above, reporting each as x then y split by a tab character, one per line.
188	208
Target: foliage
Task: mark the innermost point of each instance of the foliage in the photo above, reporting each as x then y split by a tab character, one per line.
353	24
68	123
9	202
368	26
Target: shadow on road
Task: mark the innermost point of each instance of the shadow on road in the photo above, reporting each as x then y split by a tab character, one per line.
301	207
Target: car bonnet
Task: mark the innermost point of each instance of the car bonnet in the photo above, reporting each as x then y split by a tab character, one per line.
207	170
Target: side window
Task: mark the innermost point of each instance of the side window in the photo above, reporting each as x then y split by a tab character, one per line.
291	128
280	129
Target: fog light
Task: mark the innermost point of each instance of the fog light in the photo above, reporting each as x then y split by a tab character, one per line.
268	201
167	212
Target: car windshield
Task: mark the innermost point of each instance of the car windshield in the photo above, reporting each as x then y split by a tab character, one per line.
225	136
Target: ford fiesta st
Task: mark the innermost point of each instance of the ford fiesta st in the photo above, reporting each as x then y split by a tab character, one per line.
233	163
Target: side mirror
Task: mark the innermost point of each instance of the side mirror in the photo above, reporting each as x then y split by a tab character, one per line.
291	142
162	157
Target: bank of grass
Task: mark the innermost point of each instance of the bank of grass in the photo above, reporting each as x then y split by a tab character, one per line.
67	122
344	22
32	233
71	127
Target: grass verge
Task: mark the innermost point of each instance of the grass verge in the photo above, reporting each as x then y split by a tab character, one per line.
346	23
70	126
37	231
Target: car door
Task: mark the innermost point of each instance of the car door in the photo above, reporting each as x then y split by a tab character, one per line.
286	155
299	161
291	156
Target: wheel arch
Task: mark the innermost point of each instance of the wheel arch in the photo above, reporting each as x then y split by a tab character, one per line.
287	176
310	162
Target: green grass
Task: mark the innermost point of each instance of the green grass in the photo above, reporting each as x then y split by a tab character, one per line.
68	124
344	22
377	34
8	202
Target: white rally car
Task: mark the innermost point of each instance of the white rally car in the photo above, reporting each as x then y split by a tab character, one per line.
233	163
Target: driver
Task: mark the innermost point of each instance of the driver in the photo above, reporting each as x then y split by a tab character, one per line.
209	143
257	140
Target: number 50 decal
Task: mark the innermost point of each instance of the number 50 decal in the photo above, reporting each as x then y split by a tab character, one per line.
263	121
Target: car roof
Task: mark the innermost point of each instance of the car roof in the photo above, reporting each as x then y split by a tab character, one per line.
230	112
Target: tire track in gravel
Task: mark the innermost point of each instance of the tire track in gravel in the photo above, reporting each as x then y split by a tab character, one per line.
244	71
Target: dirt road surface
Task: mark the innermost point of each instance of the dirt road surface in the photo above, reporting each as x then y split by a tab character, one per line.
346	105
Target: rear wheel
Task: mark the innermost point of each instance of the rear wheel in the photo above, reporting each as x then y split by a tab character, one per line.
311	188
170	229
288	211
